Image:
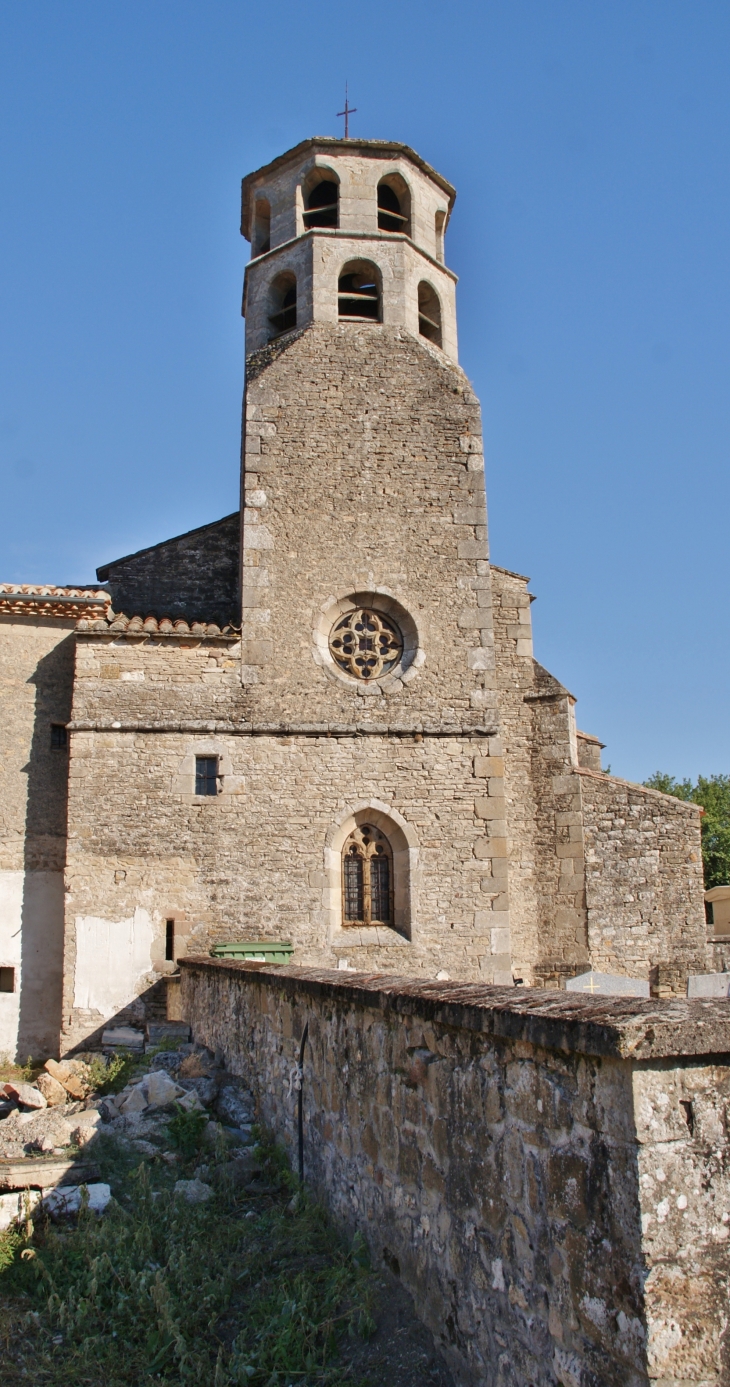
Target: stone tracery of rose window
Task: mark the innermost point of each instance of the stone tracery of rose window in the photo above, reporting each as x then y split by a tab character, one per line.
366	644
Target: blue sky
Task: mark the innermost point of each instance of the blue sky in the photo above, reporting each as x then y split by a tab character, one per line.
589	146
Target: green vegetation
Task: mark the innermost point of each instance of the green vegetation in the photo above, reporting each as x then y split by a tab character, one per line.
112	1075
713	793
186	1130
252	1287
9	1070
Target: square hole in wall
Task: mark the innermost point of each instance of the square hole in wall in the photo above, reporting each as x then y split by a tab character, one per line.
7	979
59	737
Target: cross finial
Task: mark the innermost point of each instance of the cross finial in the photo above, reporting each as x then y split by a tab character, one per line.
348	111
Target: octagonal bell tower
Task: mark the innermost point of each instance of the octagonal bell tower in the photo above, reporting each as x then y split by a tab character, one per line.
348	230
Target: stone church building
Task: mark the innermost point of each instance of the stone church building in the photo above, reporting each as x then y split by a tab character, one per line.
320	721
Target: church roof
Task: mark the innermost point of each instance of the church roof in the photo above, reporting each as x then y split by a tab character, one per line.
105	569
50	599
117	624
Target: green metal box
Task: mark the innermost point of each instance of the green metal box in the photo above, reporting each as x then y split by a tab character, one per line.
256	950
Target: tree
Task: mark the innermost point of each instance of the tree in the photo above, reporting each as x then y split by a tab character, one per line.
713	793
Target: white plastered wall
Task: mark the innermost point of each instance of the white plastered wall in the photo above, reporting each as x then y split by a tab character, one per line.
31	942
113	959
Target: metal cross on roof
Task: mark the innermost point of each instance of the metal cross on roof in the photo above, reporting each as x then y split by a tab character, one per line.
348	111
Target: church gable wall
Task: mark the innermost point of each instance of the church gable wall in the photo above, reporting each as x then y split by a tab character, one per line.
194	575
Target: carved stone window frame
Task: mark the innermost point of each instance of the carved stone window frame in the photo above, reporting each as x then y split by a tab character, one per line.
405	854
183	783
380	600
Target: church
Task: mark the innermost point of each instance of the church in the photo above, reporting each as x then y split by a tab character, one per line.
318	722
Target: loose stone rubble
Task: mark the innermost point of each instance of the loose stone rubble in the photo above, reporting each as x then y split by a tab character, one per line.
47	1118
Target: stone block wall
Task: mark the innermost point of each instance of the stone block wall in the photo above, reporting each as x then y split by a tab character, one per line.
544	822
644	884
602	874
547	1174
262	858
364	475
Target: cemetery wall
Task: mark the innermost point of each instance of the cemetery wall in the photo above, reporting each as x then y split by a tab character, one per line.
547	1174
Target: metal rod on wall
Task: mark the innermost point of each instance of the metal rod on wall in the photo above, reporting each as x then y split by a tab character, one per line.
300	1111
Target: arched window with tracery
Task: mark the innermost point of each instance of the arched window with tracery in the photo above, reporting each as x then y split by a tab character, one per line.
367	878
321	204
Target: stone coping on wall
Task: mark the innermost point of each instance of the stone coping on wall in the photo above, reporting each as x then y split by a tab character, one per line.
647	790
628	1028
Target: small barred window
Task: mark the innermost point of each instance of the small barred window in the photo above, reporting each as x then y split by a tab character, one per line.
206	775
366	644
367	878
59	737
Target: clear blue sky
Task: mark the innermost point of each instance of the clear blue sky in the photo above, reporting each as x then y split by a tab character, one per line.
589	146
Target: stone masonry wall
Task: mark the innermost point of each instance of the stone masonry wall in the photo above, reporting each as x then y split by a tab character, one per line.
544	825
364	474
258	859
194	575
548	1175
644	882
602	874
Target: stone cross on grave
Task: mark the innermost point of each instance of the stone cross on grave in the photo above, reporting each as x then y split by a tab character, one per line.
608	985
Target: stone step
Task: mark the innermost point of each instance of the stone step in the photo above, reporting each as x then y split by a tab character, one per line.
43	1174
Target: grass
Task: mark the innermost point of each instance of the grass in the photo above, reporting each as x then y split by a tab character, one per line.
254	1289
26	1072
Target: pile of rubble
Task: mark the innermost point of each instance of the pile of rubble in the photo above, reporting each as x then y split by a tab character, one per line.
48	1128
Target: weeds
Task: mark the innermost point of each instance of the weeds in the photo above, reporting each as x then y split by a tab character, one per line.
111	1076
220	1293
186	1130
10	1070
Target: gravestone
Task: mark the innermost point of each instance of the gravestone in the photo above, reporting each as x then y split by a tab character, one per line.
608	985
708	985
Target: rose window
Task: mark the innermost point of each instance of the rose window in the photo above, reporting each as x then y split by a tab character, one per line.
366	644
